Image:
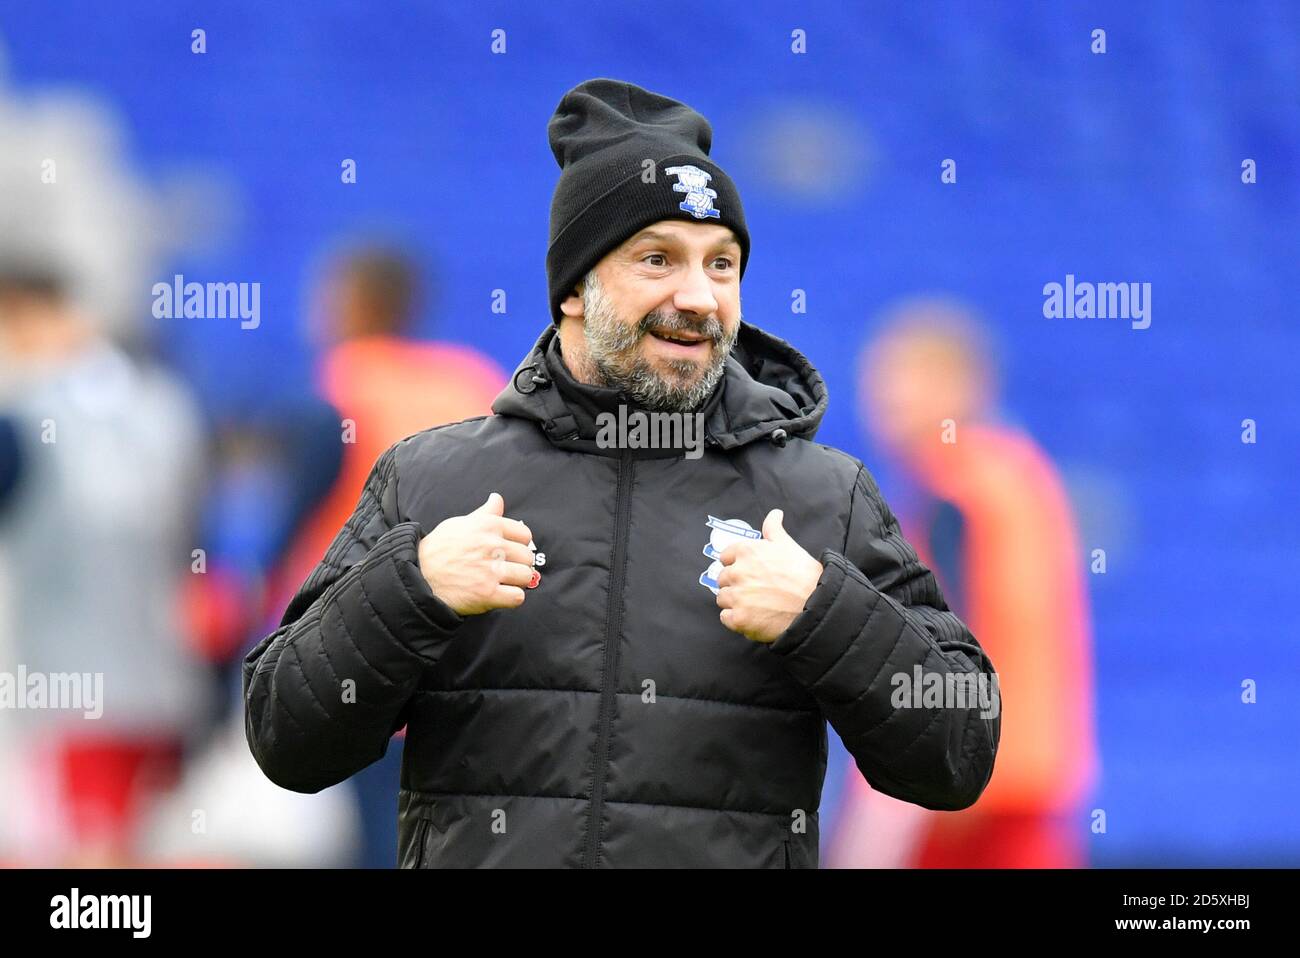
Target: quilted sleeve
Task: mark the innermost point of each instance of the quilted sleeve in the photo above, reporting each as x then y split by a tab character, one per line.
897	674
324	692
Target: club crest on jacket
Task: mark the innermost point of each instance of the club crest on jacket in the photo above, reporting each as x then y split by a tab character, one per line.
725	532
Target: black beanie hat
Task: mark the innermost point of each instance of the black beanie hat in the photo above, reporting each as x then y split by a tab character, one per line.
602	133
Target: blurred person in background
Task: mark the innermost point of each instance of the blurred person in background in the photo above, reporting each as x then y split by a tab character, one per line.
1001	538
103	469
101	462
98	480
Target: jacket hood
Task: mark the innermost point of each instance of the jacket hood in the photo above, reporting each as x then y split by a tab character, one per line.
769	390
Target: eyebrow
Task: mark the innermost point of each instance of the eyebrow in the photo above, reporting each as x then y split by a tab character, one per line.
662	237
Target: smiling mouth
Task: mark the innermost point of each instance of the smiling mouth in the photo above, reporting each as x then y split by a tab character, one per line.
680	339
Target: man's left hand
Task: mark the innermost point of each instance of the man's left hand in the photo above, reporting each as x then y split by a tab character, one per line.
765	582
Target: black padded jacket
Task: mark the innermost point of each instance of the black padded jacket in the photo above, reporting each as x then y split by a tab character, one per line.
612	720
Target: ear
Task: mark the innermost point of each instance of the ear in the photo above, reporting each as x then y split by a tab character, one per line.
572	306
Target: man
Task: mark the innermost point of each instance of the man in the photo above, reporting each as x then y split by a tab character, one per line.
653	692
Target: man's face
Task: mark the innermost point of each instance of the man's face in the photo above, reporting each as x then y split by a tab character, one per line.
664	313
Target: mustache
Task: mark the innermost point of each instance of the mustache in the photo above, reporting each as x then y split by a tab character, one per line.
681	323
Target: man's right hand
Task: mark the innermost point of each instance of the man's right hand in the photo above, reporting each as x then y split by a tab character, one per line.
478	562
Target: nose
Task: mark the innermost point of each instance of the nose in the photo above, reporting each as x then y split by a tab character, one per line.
695	294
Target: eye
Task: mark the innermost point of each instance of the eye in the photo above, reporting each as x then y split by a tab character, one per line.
658	256
725	260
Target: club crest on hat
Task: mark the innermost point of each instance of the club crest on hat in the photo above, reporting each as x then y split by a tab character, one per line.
694	182
725	532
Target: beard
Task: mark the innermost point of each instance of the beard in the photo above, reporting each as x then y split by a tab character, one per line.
614	354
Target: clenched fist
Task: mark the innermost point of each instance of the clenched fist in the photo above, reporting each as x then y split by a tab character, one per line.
479	562
765	582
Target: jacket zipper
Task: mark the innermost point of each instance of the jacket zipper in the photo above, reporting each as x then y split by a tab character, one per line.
609	678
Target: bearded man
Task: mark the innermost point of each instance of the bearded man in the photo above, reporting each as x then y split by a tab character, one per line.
608	656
